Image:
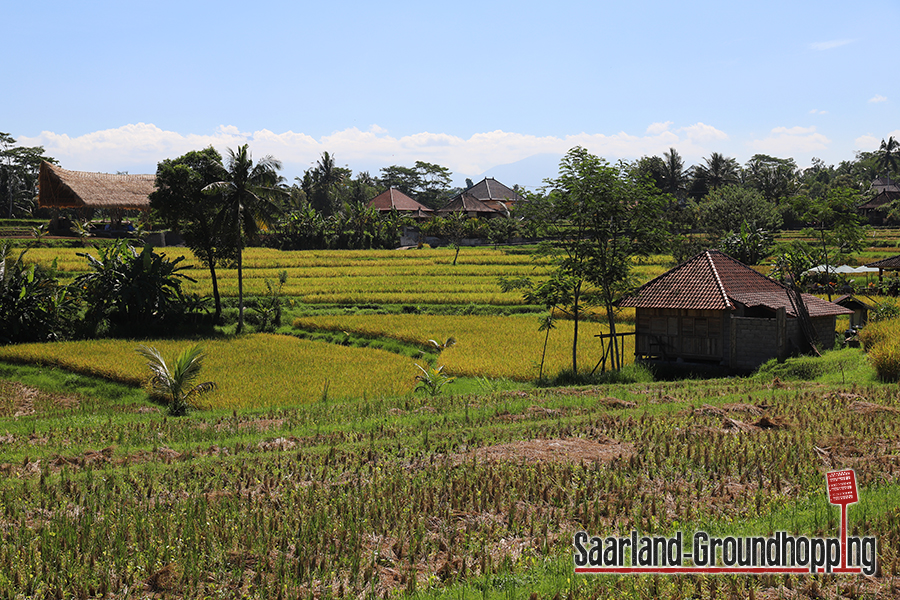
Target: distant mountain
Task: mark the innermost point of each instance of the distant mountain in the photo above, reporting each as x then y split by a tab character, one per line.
528	173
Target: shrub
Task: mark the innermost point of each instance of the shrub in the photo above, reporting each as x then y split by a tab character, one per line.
885	357
877	332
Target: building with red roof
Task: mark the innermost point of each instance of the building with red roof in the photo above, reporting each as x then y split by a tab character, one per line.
714	309
394	199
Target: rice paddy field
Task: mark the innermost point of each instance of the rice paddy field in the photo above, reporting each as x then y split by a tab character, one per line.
354	277
316	470
486	346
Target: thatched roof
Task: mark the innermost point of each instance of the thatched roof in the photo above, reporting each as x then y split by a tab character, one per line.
61	188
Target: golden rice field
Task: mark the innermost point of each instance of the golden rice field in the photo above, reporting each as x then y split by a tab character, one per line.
259	370
486	346
425	276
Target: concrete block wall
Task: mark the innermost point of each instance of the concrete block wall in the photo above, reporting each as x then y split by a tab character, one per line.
754	342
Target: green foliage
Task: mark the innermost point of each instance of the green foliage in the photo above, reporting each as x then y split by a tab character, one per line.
774	178
596	216
749	246
33	306
180	202
716	171
833	222
268	309
432	380
727	208
247	193
134	291
19	170
176	383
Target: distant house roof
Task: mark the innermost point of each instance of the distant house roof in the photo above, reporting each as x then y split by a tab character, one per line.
468	203
880	201
61	188
394	199
884	184
489	189
852	302
891	262
714	281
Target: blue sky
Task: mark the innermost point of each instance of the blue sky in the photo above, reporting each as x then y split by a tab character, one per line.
496	88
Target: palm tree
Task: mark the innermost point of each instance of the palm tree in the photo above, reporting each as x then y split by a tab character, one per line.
248	191
718	171
888	156
326	176
177	383
673	174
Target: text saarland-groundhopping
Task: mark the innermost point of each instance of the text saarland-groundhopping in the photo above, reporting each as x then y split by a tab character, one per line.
780	552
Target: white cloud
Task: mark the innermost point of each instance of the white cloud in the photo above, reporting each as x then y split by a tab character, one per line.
878	98
788	141
657	128
871	143
139	147
816	111
829	44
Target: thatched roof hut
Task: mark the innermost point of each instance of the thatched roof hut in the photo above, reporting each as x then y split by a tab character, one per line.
61	188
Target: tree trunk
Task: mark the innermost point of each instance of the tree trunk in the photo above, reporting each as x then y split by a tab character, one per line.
240	261
216	298
576	310
611	319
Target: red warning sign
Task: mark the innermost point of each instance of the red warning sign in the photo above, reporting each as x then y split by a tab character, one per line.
842	487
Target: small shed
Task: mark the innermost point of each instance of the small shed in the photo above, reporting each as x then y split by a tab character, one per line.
860	309
715	310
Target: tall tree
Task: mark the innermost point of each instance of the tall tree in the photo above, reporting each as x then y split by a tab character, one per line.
179	201
434	180
674	177
247	192
718	170
775	178
322	182
728	208
888	156
833	223
19	169
597	216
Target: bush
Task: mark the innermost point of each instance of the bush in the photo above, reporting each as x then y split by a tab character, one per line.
885	357
877	332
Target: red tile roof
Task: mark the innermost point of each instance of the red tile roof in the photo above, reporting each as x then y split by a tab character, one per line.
713	281
394	198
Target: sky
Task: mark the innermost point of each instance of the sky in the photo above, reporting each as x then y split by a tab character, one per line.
484	88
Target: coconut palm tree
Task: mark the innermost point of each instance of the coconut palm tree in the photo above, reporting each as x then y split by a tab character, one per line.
718	171
177	382
673	174
248	191
888	156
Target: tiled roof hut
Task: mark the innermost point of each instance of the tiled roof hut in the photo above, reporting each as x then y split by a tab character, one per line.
713	309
